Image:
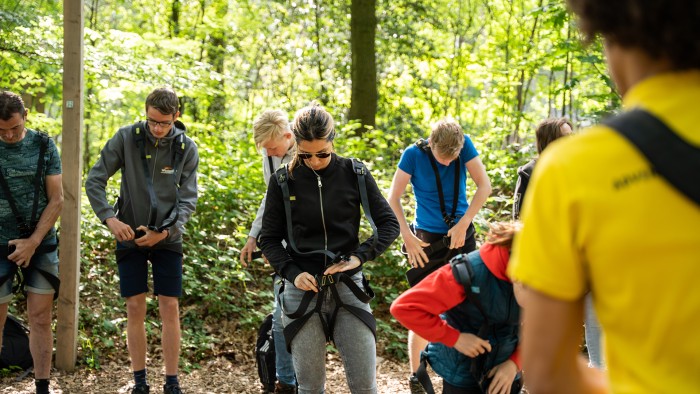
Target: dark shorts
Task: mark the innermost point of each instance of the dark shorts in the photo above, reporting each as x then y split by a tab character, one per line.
133	271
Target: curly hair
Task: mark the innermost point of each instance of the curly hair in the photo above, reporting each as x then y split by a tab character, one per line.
10	104
661	28
502	233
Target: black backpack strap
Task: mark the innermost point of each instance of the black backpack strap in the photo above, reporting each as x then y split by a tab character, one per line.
361	171
422	375
270	164
670	156
39	176
10	200
178	156
139	132
448	219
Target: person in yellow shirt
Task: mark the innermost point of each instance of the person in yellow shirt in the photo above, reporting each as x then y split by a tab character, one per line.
599	218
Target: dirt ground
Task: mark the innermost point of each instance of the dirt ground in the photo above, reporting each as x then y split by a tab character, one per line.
234	372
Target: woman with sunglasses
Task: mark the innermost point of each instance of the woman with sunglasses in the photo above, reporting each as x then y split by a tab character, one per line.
325	297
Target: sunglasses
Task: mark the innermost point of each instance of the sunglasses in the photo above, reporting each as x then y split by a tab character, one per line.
320	155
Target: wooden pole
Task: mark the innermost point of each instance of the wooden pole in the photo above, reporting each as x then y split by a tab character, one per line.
71	157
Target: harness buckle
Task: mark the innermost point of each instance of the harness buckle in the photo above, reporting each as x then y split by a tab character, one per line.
449	220
324	280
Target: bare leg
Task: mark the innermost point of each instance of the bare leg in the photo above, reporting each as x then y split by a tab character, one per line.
3	317
136	330
416	344
170	314
39	307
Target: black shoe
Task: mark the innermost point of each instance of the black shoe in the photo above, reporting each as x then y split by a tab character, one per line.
415	386
171	389
285	388
141	389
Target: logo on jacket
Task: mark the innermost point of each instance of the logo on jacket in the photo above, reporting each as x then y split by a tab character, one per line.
167	170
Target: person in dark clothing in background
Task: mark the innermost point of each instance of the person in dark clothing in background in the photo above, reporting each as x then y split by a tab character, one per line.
322	262
547	131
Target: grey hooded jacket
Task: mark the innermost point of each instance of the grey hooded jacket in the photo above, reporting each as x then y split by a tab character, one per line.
133	207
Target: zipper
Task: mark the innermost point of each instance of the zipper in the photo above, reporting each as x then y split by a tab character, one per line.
153	177
323	217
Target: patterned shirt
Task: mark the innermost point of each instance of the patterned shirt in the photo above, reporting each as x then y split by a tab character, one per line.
18	163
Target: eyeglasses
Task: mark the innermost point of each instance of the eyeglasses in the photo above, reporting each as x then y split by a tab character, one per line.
320	155
153	123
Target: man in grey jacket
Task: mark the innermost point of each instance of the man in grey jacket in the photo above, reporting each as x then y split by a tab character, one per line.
158	194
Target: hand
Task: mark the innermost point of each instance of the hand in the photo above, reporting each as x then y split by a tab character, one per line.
457	234
343	265
24	250
151	238
247	251
122	231
472	346
503	375
306	281
415	252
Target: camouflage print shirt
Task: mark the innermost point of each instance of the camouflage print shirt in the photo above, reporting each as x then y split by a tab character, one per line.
18	163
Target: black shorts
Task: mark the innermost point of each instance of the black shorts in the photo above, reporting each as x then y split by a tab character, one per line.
133	271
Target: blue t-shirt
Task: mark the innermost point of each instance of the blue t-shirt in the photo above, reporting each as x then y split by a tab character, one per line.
416	163
18	164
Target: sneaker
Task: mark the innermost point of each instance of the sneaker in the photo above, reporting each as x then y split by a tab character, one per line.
172	389
415	386
141	389
285	388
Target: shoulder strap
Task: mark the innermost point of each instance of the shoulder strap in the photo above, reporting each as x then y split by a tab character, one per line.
360	171
270	165
670	156
282	177
39	176
10	200
139	132
449	219
463	273
178	155
37	184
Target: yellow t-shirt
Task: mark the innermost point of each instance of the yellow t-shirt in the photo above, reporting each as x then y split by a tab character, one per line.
597	218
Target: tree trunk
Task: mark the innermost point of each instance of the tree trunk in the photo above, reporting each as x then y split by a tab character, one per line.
175	9
363	105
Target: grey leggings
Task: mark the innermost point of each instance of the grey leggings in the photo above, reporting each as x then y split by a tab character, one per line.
353	338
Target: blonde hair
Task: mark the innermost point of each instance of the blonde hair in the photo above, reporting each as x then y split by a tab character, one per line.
447	138
502	233
271	124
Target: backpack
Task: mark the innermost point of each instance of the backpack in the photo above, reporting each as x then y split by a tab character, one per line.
15	345
265	355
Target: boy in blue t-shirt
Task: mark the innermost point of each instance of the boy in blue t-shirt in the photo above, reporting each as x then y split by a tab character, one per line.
441	160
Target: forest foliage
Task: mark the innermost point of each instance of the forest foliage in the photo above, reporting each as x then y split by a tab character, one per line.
498	67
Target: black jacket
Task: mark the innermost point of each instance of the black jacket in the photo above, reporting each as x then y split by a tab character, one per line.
524	174
325	217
